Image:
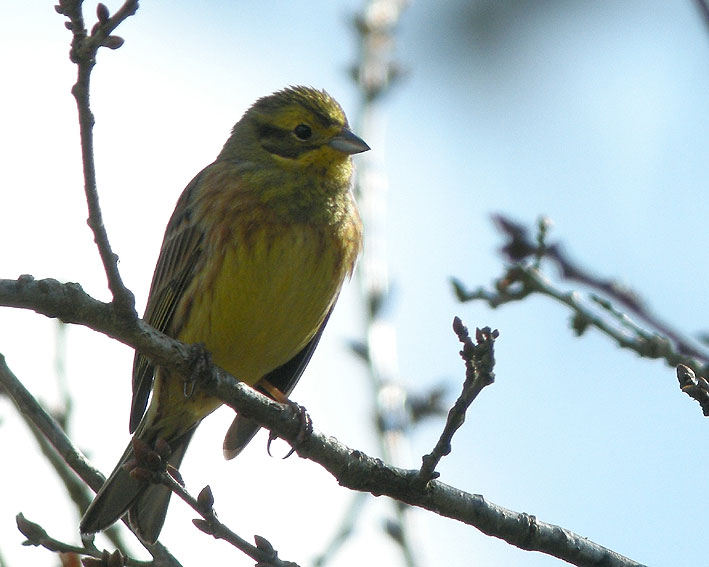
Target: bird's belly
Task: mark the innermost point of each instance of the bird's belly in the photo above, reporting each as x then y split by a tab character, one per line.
266	299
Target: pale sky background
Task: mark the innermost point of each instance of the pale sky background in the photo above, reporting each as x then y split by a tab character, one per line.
593	113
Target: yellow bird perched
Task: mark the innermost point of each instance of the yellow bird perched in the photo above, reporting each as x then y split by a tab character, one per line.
251	265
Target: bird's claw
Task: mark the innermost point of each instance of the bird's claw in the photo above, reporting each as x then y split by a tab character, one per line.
304	432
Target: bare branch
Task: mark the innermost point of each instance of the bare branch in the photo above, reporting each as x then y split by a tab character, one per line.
629	300
35	414
263	552
525	277
357	471
353	469
76	487
71	304
36	535
84	48
479	362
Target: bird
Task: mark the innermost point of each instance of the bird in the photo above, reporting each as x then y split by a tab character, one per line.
252	263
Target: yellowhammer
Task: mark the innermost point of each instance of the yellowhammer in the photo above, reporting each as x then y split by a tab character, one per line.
251	265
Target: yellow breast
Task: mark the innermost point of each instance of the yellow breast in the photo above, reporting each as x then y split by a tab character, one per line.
266	297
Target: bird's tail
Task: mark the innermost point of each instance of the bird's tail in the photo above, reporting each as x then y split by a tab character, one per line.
145	502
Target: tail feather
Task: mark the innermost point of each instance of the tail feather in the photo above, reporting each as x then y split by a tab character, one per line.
114	498
145	502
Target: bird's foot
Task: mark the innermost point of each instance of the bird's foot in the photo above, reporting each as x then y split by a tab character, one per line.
149	463
304	432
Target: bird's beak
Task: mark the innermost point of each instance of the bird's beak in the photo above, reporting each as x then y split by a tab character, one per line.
348	143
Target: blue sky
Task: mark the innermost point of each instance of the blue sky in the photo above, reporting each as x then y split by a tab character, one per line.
592	113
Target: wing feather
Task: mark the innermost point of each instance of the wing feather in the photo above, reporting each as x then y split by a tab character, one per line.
180	253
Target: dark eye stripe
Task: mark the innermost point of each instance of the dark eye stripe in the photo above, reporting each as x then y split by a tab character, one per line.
280	142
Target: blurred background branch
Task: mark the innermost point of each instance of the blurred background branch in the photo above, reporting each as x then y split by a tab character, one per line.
609	306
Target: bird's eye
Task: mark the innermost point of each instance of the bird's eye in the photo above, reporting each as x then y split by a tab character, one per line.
303	132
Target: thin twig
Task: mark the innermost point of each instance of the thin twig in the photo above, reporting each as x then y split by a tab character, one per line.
84	48
263	552
71	304
479	360
75	487
525	277
520	246
35	414
37	536
522	281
